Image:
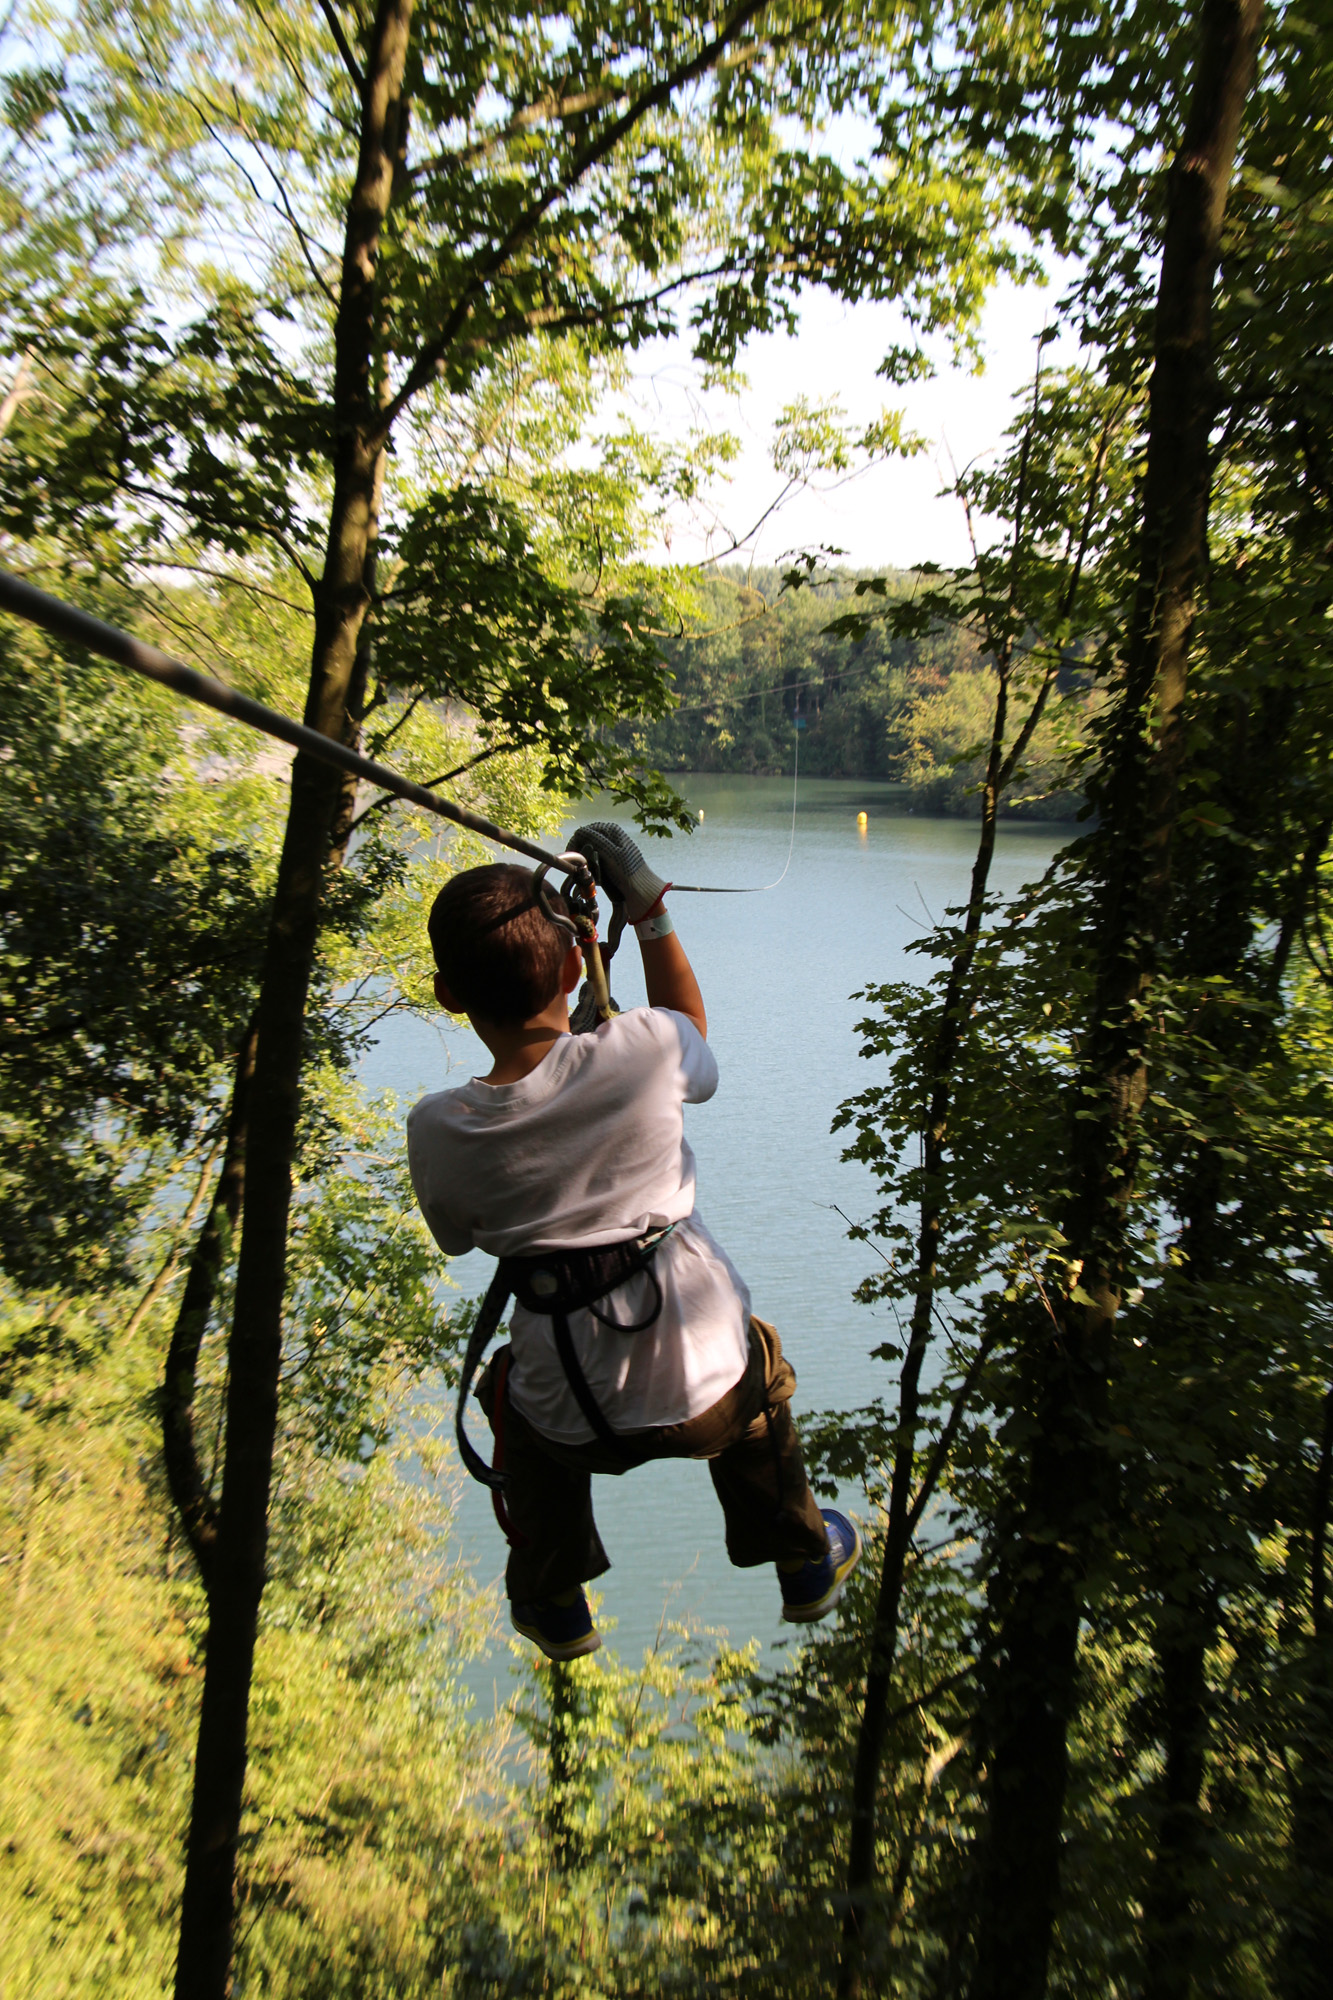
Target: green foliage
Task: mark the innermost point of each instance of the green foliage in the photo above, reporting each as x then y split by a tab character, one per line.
559	194
473	616
388	1845
948	734
361	1752
889	675
754	656
171	202
128	953
1194	1823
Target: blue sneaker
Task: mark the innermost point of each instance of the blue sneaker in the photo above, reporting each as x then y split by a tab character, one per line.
561	1625
812	1590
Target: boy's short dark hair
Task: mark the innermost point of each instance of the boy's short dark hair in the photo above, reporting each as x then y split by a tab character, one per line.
498	952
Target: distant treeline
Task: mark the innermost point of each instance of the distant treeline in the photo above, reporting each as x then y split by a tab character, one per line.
756	659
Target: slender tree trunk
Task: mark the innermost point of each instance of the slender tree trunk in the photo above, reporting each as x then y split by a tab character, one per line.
1307	1944
1186	1621
1170	1924
563	1753
1305	877
237	1567
941	1064
185	1477
171	1263
861	1863
1069	1491
1216	945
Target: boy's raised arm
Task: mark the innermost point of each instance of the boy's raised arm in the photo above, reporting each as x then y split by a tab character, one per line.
668	974
620	869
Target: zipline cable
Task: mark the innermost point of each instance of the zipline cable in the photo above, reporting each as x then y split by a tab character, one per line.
24	600
759	888
80	628
64	621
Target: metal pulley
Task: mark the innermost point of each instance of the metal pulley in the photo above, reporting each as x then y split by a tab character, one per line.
581	924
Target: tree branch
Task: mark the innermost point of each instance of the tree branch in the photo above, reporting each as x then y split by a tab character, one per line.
387	799
377	744
1034	715
569	319
344	47
171	1262
1304	884
299	77
234	583
558	108
428	360
1021	497
287	208
944	1442
950	1681
210	517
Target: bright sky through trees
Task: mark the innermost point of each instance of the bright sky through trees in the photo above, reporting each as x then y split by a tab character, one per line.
890	515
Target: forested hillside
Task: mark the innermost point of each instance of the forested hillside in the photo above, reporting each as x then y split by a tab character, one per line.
753	660
314	324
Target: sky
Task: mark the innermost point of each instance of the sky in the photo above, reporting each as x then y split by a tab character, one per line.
891	515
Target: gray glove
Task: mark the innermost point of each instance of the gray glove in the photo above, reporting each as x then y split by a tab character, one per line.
583	1015
618	867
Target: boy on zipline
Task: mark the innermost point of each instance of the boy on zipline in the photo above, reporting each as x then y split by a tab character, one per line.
632	1338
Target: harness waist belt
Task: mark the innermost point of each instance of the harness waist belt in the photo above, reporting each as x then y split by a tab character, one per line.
555	1283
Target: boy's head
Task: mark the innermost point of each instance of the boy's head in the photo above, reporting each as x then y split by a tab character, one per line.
499	956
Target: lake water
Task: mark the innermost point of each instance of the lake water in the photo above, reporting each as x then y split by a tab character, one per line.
778	972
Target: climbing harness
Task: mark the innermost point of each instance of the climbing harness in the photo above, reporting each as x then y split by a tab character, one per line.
555	1283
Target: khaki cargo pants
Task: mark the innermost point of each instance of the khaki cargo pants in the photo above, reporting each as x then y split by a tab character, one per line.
747	1437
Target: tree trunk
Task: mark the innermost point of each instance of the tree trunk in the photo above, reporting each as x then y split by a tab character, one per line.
237	1578
1307	1944
185	1478
1170	1905
941	1064
562	1760
1262	743
1187	1610
861	1863
1215	946
1038	1587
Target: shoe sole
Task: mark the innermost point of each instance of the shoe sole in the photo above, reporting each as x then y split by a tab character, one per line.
572	1649
807	1614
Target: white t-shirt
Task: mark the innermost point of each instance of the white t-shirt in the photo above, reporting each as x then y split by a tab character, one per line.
590	1148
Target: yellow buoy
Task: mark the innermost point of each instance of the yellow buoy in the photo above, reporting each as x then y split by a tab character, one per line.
701	814
862	819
